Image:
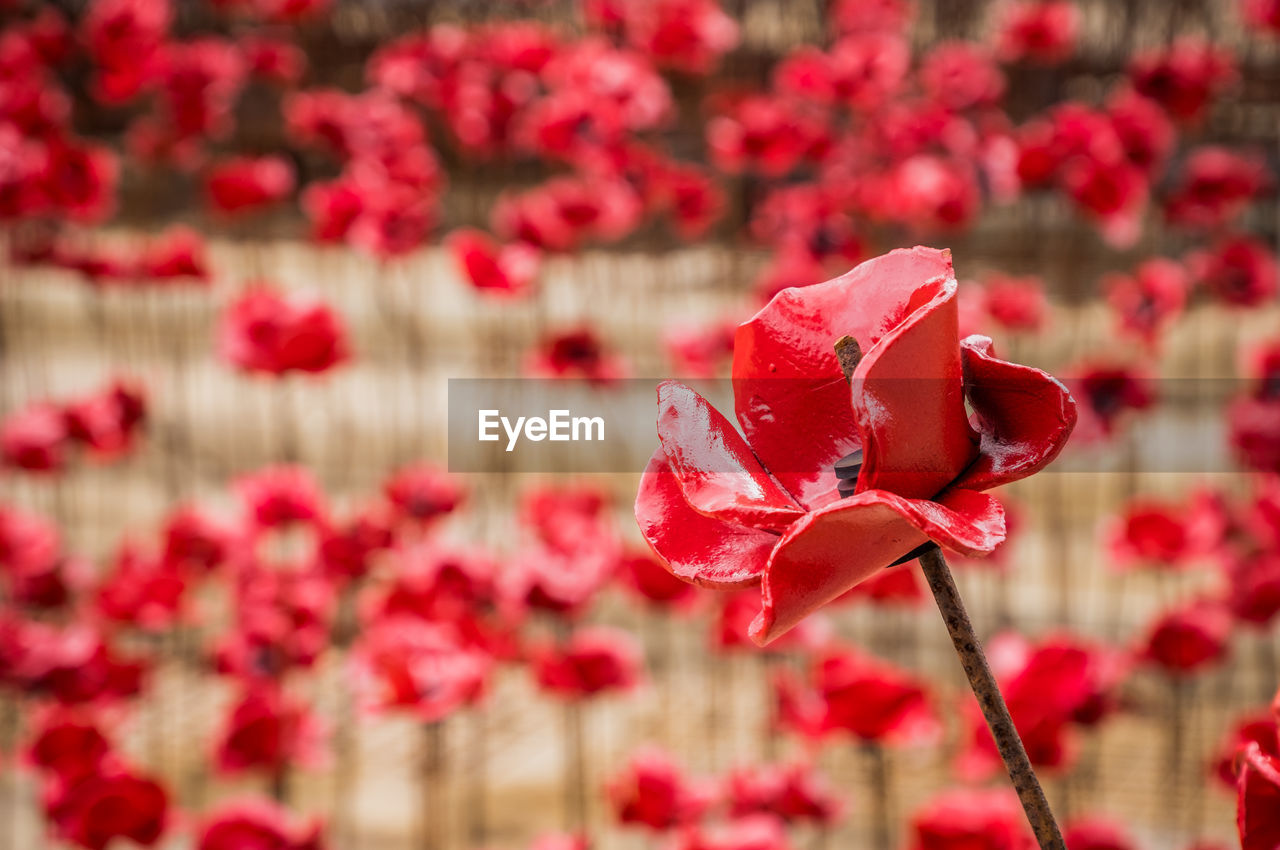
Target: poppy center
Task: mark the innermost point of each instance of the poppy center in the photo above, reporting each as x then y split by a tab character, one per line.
847	469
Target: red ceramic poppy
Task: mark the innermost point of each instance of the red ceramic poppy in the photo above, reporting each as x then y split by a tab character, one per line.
685	35
653	584
35	438
437	583
1051	687
107	421
652	791
1108	393
141	590
1016	303
1262	13
423	493
961	75
856	694
1258	801
578	354
123	38
731	629
177	254
268	731
1147	302
1253	587
94	811
793	792
724	511
760	831
275	60
970	819
426	668
1097	833
1159	534
274	333
280	495
1189	638
594	660
242	185
1184	78
1239	270
257	823
1259	729
1215	186
68	744
700	351
195	542
495	269
1040	33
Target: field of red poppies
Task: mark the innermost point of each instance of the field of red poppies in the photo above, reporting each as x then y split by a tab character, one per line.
257	592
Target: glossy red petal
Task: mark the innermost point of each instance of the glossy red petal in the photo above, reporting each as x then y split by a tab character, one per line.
714	466
908	400
832	549
1258	803
789	393
696	548
1024	417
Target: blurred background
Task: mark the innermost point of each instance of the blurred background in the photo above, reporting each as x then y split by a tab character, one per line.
249	242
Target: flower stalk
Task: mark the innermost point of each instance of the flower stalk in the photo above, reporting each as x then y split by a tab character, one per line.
991	701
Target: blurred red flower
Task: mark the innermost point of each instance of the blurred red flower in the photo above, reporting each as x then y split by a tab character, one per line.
970	819
652	791
857	694
510	269
259	824
267	730
115	802
274	333
653	584
790	532
1165	535
751	832
1215	185
593	660
1016	303
246	184
1258	800
1147	302
578	354
1051	687
1260	729
35	438
141	590
1239	270
1097	833
1040	32
793	792
423	493
68	744
1186	639
1185	77
426	668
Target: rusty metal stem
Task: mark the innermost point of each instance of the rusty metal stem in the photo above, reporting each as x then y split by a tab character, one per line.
983	682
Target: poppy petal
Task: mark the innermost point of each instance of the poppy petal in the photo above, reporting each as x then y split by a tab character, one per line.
789	393
908	400
697	548
715	468
1258	803
832	549
1024	416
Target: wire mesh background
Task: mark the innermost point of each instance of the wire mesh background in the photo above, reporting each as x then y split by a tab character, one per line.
414	324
